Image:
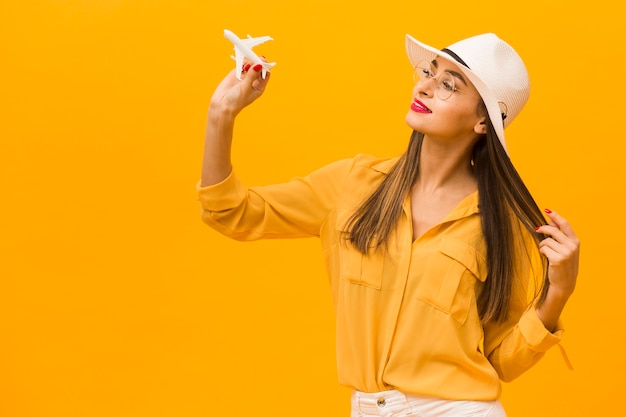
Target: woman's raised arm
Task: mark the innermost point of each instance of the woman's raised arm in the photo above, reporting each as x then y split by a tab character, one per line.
230	97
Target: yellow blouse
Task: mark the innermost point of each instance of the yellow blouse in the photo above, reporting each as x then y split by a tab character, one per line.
406	316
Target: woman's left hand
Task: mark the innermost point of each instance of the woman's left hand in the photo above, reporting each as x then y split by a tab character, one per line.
562	248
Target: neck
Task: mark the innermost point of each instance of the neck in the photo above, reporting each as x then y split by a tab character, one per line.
444	167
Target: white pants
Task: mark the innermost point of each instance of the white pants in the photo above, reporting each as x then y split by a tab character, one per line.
395	404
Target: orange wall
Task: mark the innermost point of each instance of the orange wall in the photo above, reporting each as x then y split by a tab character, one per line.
115	300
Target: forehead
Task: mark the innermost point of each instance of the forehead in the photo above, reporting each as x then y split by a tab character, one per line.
442	64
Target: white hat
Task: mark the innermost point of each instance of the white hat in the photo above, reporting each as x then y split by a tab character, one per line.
492	65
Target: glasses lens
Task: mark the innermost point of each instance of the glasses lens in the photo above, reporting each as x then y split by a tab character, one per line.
423	71
444	81
445	85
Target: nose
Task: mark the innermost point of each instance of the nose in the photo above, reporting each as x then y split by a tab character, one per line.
425	87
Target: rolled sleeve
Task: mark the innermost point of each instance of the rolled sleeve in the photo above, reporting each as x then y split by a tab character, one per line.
523	346
535	333
224	195
293	209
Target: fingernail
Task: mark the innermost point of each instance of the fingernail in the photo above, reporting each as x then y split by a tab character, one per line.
537	228
257	67
247	67
548	211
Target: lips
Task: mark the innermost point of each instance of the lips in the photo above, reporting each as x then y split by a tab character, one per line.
419	107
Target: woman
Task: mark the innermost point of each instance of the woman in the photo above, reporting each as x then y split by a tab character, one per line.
445	276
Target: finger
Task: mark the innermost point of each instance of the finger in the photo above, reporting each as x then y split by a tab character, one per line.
552	231
255	70
551	244
245	66
255	80
561	242
560	251
557	256
550	254
560	222
260	83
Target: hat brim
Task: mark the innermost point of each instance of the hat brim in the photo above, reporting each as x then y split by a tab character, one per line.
418	51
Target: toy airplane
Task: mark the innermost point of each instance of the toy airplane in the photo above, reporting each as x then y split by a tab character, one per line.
243	49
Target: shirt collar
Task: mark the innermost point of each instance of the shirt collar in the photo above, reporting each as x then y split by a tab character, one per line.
467	206
386	165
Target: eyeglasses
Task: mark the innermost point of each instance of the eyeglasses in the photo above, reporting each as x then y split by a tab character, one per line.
425	71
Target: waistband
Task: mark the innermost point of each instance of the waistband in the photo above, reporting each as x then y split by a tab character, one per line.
394	402
379	403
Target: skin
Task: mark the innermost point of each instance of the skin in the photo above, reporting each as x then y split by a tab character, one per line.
230	97
450	131
562	249
445	178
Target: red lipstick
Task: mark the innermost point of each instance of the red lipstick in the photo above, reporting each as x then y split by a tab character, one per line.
419	107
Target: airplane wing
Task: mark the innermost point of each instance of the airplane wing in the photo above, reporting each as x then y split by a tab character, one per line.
251	42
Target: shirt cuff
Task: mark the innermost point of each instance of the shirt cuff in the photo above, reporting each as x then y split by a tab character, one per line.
536	334
221	196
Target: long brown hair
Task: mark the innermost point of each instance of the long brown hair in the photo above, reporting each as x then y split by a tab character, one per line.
502	193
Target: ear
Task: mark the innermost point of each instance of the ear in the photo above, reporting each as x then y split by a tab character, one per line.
481	126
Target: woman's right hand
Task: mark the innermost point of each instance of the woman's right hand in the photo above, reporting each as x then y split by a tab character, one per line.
232	95
229	98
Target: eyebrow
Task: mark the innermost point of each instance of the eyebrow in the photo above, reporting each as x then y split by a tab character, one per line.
451	72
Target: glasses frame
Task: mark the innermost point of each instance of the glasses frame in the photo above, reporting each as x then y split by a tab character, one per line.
441	90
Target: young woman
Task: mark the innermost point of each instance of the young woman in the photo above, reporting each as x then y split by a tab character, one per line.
445	276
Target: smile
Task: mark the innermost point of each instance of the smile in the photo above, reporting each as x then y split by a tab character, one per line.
419	107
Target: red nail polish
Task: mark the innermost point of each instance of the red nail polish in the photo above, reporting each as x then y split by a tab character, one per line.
537	228
246	67
257	67
548	211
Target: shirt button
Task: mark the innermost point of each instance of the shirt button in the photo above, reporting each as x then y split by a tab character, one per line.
381	402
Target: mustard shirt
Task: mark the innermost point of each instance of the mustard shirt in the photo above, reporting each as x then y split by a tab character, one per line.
406	316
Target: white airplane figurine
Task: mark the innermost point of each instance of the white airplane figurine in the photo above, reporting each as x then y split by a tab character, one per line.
243	49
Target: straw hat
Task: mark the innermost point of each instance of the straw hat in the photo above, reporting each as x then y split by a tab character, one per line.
492	65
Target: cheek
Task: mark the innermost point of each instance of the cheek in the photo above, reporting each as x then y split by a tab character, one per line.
458	117
465	110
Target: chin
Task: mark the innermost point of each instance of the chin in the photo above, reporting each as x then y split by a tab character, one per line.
410	120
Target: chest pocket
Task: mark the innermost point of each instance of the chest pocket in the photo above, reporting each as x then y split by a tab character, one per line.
450	278
356	267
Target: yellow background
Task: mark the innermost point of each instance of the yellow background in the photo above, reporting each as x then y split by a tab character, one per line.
116	300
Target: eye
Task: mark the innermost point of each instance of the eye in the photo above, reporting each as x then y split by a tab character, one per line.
447	83
425	72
